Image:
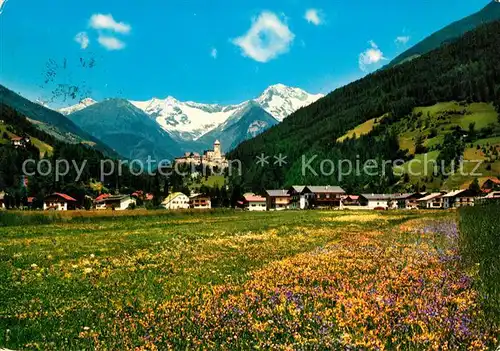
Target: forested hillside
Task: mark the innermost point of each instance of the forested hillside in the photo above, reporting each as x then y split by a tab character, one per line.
489	13
19	188
465	70
51	121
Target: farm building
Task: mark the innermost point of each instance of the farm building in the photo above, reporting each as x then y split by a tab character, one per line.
59	202
490	185
493	195
299	197
408	201
200	201
432	201
277	200
176	201
350	200
458	198
325	196
254	202
18	141
114	202
376	201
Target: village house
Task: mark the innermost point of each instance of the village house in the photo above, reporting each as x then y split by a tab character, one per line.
494	195
18	141
254	202
59	202
176	201
98	204
140	195
114	202
490	185
200	201
277	200
350	200
408	201
300	199
325	196
432	201
2	200
458	198
376	201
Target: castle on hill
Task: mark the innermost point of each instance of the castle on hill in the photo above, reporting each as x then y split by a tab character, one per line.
211	158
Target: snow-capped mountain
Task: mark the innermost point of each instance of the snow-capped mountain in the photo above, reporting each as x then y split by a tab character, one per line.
80	106
186	120
191	120
281	101
193	125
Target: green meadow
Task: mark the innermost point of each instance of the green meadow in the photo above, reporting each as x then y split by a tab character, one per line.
155	280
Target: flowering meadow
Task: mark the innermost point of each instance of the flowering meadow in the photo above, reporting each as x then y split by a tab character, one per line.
239	280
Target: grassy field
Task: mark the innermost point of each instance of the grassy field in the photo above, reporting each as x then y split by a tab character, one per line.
480	247
237	280
362	129
40	145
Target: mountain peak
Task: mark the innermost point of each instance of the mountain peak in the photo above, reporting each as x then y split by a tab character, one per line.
281	101
86	102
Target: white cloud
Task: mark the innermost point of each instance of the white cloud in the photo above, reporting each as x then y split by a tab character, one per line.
82	38
267	38
370	56
403	40
213	53
312	16
107	22
2	4
111	43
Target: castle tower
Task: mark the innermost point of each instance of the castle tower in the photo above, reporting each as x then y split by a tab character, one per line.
217	153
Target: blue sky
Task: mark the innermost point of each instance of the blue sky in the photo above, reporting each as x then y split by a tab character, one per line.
206	51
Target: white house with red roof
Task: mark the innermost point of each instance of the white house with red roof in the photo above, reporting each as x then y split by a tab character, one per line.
59	202
255	203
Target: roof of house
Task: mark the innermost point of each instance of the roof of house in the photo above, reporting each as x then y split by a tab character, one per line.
278	192
325	189
351	197
493	179
431	196
64	196
113	198
406	196
493	195
16	138
171	197
454	193
102	196
402	196
195	196
298	188
377	196
31	199
254	198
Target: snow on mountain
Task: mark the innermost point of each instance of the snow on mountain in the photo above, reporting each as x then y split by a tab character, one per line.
188	120
191	120
281	101
80	106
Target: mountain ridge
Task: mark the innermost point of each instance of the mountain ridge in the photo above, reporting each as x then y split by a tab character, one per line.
127	129
455	30
189	120
51	121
